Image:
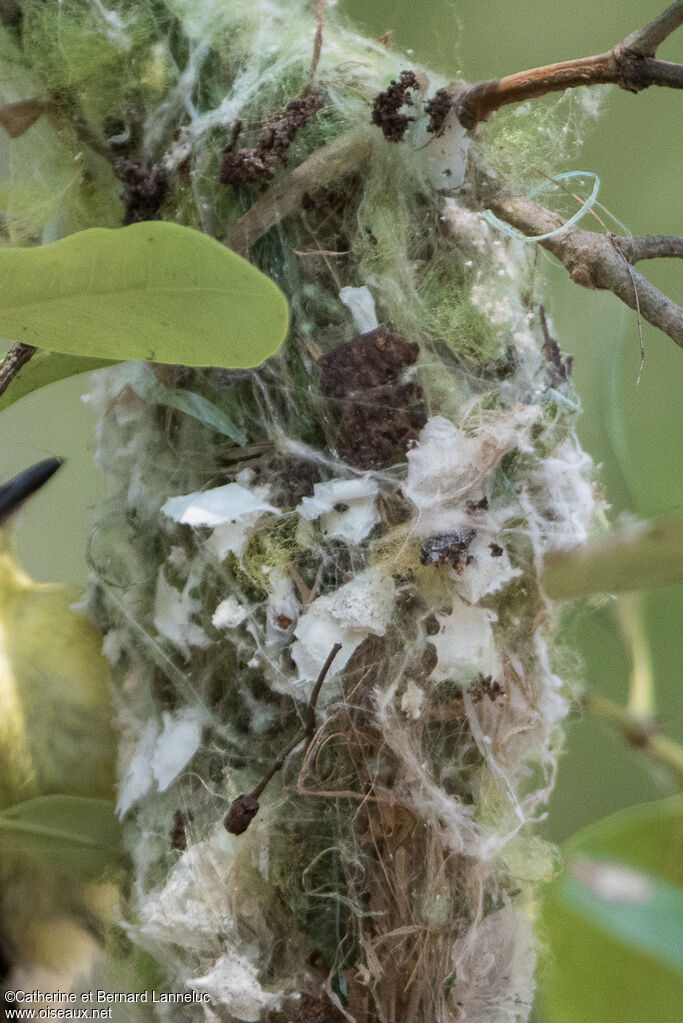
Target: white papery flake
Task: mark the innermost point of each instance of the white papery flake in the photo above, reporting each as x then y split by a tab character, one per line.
489	570
345	509
446	155
180	738
159	755
138	777
448	463
355	611
465	643
232	511
173	610
361	304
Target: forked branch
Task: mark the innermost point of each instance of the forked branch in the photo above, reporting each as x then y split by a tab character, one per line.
631	64
601	261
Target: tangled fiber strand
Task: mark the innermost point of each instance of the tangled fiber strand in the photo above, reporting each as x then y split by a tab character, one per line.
408	458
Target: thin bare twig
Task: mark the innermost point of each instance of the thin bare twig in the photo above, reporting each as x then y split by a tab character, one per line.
631	65
243	809
593	261
651	246
318	42
17	356
646	40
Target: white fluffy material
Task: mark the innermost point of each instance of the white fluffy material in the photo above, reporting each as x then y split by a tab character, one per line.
229	614
361	304
233	981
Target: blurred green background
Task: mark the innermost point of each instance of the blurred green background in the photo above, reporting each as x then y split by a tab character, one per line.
634	431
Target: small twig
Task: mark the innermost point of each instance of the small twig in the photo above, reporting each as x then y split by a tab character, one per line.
17	356
646	40
553	352
631	65
318	42
640	735
243	809
593	261
310	711
639	320
650	246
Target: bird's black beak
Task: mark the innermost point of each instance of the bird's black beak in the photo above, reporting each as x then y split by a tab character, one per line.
15	491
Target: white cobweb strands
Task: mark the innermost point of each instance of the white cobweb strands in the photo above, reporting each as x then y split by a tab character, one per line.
396	493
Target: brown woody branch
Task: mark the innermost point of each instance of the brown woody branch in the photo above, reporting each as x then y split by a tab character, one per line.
631	65
651	246
17	356
599	261
646	40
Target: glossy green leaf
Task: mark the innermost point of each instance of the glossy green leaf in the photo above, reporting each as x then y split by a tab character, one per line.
638	557
70	835
154	291
612	923
46	368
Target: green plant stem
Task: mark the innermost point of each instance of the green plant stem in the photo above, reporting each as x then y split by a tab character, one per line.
641	694
637	733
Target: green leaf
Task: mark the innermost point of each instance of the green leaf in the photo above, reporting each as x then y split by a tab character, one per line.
70	835
638	557
46	368
632	906
612	923
143	381
155	291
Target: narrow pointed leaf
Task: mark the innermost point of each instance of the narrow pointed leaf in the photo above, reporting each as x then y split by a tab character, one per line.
639	557
46	368
154	291
70	835
143	381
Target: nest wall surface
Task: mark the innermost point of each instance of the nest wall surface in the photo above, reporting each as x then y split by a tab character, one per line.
389	482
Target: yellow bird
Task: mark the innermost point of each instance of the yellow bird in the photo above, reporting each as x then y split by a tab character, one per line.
56	728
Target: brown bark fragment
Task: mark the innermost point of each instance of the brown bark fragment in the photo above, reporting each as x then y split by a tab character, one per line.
144	189
386	110
374	415
257	165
